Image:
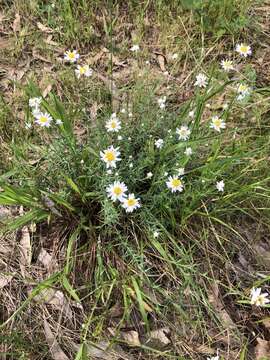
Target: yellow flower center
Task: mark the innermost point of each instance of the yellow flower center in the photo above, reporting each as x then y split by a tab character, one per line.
244	48
113	125
217	122
71	55
110	156
82	70
43	119
131	202
117	190
242	87
176	182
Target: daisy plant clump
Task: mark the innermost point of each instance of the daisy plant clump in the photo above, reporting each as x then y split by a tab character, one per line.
134	182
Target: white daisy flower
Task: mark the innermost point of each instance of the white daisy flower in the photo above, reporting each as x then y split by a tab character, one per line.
258	298
71	56
213	358
116	191
123	111
183	133
131	203
174	183
149	175
220	186
110	156
109	172
83	70
159	143
217	123
243	90
135	48
227	65
174	56
43	119
35	102
162	102
119	137
188	151
156	234
201	80
113	124
59	122
181	171
243	49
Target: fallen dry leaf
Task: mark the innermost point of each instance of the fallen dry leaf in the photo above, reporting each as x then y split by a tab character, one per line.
58	300
55	349
46	91
16	26
217	304
44	28
131	337
161	62
47	261
25	251
5	279
262	349
106	351
158	339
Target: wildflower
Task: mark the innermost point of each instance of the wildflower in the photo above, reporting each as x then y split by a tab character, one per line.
113	124
191	114
162	102
188	151
258	298
110	156
43	119
71	56
213	358
59	122
131	203
181	171
119	137
183	133
243	49
217	123
35	102
116	191
175	184
84	70
174	56
220	186
109	172
123	111
165	174
130	165
156	234
227	65
225	106
135	48
149	175
243	90
130	114
147	62
201	80
159	143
